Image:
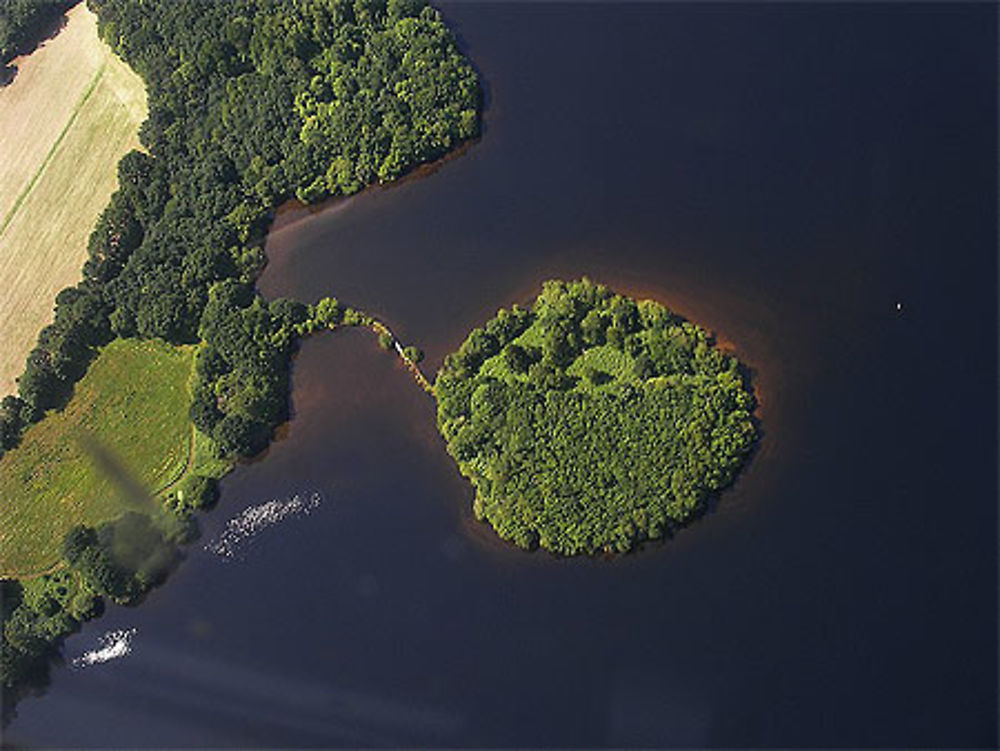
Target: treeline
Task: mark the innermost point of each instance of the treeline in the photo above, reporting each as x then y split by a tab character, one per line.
590	423
251	103
24	22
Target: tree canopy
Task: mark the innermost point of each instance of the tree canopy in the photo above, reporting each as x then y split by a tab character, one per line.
590	422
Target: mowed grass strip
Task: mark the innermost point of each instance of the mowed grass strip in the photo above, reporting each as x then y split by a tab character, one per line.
71	113
128	419
80	106
38	103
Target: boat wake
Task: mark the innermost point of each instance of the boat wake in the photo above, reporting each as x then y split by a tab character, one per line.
113	644
243	527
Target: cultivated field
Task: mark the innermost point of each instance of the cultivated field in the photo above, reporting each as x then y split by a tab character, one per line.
70	114
124	436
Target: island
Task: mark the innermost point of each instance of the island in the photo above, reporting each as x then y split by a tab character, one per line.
589	422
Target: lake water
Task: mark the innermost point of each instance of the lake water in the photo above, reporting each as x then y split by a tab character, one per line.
783	174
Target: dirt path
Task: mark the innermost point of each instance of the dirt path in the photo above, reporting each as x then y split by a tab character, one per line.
188	466
22	577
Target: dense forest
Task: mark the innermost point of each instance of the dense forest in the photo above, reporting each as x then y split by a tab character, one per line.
23	23
251	103
589	422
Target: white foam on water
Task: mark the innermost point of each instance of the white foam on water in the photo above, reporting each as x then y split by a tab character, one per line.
113	644
244	526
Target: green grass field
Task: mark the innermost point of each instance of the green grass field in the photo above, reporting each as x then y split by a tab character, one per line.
605	358
71	113
124	436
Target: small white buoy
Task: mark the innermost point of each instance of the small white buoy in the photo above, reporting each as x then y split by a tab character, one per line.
899	306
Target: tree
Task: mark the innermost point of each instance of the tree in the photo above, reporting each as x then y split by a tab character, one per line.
516	358
237	435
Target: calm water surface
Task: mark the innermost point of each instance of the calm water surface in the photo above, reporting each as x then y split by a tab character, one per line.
782	174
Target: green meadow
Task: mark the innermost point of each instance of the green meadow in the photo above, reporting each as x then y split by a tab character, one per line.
124	437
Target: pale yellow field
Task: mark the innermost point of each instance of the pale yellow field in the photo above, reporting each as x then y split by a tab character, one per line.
70	114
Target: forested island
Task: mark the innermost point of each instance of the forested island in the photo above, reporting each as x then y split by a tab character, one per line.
251	103
589	422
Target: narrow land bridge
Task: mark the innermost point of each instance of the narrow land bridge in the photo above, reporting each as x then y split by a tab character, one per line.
380	328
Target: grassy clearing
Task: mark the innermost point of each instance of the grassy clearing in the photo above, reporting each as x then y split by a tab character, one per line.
124	435
71	113
606	359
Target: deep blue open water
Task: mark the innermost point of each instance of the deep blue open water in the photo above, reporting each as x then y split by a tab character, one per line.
784	174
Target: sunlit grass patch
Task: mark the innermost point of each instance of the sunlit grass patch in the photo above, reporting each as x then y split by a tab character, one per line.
126	428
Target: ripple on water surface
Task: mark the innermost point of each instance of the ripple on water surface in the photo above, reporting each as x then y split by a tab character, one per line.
242	528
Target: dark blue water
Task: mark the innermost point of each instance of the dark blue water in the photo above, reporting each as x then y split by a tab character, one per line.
784	174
